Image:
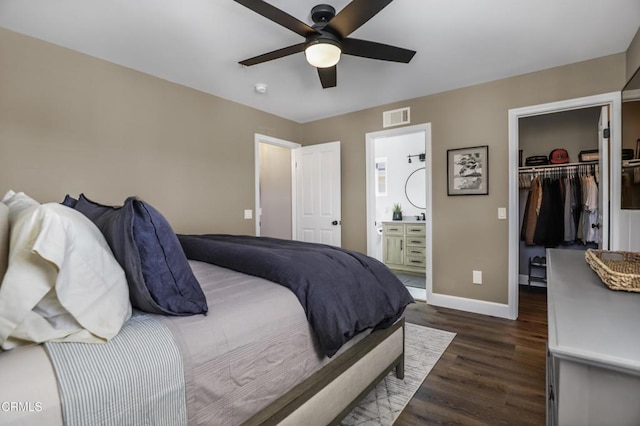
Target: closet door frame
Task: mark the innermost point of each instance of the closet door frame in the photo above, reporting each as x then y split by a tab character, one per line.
614	101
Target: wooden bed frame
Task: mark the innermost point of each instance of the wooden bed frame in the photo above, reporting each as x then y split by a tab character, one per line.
332	392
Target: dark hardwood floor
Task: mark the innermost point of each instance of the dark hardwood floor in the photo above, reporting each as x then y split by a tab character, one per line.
493	373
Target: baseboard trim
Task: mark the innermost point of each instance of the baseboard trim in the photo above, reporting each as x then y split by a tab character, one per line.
493	309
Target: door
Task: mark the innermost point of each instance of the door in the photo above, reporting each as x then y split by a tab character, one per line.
603	178
393	250
318	194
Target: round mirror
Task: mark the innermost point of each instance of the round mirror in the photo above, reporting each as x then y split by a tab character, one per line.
415	190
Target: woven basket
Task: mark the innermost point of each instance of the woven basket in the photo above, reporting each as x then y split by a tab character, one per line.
619	270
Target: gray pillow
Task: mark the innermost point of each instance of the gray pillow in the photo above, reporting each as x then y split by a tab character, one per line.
160	278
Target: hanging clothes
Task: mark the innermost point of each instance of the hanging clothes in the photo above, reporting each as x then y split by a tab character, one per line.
591	231
569	206
550	227
577	207
561	208
531	211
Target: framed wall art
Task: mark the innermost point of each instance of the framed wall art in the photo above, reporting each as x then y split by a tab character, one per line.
468	171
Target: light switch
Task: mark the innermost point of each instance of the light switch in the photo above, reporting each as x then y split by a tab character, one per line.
477	277
502	212
248	214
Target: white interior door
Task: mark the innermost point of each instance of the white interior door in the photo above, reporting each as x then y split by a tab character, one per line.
318	194
603	186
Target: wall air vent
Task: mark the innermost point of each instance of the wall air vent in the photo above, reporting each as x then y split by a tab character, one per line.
396	117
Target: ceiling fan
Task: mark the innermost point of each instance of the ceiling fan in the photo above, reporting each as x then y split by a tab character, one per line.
327	38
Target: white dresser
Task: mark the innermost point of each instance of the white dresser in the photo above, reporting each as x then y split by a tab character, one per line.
404	247
593	363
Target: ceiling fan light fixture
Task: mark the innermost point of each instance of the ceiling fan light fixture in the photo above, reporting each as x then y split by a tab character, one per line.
325	38
323	52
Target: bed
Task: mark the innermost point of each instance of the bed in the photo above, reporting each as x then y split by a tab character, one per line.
252	359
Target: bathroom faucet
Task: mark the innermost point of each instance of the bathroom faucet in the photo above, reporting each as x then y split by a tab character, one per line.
423	216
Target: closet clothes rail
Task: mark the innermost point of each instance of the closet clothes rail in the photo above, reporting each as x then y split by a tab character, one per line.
562	204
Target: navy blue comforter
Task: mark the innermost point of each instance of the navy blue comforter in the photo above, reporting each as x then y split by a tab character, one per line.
342	292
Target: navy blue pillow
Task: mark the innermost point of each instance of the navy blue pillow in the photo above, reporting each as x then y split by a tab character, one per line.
160	278
69	201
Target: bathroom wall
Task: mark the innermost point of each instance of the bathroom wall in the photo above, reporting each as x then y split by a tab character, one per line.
397	149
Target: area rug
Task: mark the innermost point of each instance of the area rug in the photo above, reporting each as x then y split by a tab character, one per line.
382	406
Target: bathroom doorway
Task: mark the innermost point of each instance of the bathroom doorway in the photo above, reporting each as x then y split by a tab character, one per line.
398	168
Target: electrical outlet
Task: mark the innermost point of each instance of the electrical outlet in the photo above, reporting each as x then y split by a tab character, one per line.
248	214
477	277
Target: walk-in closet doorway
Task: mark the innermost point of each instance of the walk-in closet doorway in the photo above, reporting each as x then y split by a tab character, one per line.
584	124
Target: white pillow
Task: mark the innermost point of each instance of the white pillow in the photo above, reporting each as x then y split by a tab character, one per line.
17	203
63	282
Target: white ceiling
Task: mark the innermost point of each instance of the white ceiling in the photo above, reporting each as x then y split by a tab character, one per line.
198	43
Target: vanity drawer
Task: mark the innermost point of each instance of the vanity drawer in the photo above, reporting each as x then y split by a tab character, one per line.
415	261
416	230
416	251
391	229
415	241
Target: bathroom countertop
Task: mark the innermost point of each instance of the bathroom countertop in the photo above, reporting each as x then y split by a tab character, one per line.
412	221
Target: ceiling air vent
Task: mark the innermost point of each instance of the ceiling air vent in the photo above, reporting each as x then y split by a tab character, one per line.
396	117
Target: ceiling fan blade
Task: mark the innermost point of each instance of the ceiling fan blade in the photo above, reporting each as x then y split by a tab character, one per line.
354	15
373	50
280	53
278	16
328	76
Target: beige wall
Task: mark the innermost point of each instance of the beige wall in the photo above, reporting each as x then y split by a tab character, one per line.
73	123
633	56
466	232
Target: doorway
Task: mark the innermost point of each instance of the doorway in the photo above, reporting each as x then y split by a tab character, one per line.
398	171
297	191
561	220
609	186
275	187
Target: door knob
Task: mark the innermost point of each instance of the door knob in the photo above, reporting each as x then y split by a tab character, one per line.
334	223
